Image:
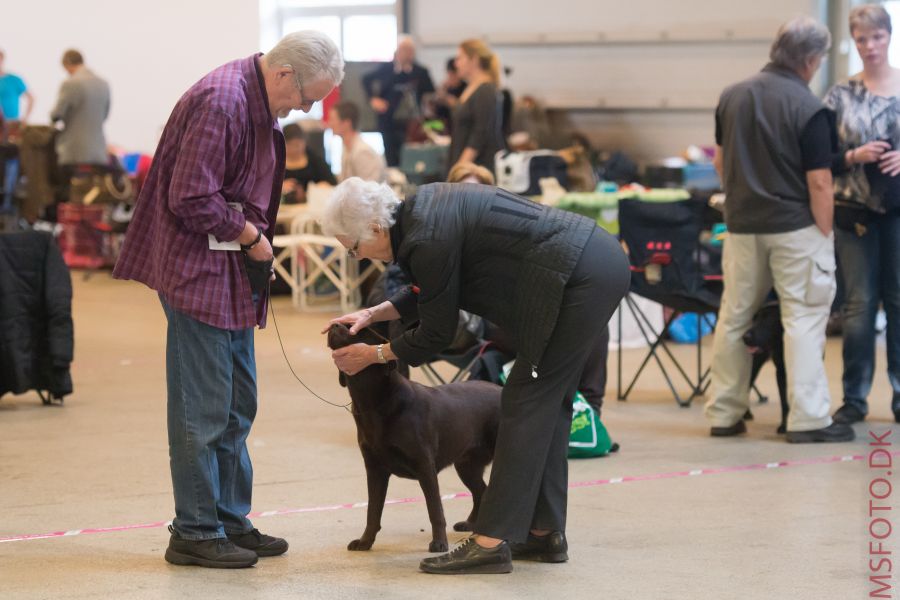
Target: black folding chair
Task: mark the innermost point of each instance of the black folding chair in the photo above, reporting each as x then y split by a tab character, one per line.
669	266
462	361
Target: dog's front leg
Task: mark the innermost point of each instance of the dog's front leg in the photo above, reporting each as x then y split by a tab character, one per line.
377	479
429	482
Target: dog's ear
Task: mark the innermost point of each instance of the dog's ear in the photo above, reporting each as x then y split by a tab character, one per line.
342	379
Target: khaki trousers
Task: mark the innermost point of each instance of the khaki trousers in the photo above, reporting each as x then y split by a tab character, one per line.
800	265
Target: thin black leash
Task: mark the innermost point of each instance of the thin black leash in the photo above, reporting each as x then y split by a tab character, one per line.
349	406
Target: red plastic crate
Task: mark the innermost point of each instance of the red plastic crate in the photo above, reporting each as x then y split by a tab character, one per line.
83	240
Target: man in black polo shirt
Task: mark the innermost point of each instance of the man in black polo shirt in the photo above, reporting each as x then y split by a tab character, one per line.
775	146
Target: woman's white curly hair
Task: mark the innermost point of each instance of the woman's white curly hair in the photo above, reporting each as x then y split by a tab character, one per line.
355	205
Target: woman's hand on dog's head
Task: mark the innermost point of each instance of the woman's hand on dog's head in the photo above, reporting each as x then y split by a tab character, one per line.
356	320
354	358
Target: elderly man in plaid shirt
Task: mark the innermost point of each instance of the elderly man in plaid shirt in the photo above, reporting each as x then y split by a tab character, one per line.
201	237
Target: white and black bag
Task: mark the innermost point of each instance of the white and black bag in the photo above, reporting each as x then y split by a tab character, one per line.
521	172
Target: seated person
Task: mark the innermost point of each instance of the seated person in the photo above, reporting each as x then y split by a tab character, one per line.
301	166
358	159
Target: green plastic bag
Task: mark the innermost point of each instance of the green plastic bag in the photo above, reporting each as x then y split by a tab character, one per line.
588	436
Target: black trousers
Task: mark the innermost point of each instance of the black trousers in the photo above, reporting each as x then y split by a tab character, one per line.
394	134
592	384
529	479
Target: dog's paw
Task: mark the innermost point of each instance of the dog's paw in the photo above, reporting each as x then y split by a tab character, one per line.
438	546
463	526
356	545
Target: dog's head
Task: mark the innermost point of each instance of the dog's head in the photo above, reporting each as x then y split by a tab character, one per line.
765	330
339	336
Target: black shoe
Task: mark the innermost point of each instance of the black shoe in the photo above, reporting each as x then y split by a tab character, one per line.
897	416
217	553
550	548
848	415
735	429
470	558
260	543
836	432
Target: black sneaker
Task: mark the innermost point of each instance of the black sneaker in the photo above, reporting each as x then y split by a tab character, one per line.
260	543
836	432
848	415
469	558
736	429
217	553
551	548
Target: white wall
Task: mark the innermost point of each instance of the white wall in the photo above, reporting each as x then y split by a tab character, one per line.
639	75
149	52
647	53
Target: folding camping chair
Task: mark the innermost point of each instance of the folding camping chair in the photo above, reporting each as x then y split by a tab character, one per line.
463	353
669	266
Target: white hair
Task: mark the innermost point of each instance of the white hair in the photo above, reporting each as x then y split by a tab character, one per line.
356	204
798	41
313	55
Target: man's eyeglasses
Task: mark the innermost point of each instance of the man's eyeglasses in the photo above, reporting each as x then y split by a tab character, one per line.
354	251
304	103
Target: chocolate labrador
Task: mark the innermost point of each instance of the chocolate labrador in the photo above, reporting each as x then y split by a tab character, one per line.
414	431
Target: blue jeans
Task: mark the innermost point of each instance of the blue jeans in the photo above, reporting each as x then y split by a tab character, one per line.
870	267
10	177
211	379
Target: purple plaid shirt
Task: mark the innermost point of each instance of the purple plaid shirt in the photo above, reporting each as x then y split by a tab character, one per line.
221	144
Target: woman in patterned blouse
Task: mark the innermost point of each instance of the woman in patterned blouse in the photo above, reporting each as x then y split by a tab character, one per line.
867	219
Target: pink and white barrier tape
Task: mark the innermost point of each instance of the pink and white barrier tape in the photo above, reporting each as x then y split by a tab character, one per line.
582	484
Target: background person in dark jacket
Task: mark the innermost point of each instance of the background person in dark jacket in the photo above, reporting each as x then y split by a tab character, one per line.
395	92
550	279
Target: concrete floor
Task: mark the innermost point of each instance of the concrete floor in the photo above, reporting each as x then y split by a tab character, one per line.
100	461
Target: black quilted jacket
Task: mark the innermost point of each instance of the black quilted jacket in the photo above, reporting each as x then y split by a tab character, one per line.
486	251
36	340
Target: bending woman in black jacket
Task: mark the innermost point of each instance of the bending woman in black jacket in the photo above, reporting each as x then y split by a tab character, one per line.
549	278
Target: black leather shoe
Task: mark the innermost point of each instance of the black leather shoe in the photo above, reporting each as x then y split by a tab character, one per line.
897	416
217	553
836	432
848	415
260	543
551	548
469	558
736	429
